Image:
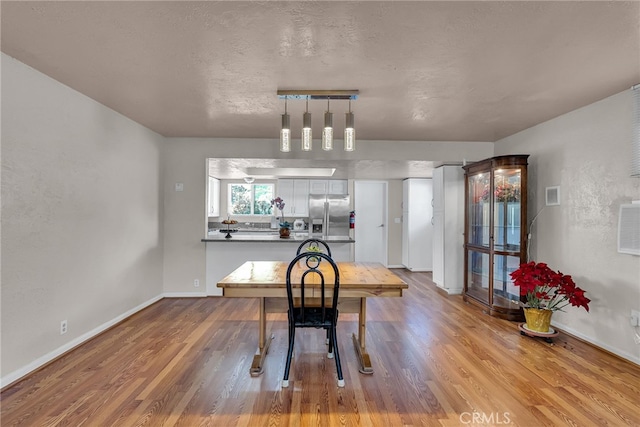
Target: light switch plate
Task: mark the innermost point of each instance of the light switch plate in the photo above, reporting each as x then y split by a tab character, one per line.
179	186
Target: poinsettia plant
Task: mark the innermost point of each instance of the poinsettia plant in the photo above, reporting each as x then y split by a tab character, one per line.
545	288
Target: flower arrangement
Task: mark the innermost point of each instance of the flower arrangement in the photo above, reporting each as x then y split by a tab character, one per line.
503	193
278	203
547	289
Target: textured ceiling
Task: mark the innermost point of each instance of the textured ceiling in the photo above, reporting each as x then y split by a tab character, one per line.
426	71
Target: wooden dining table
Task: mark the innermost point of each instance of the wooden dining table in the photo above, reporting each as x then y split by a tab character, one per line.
266	280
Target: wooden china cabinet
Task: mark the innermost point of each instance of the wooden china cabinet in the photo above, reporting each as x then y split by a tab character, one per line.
495	242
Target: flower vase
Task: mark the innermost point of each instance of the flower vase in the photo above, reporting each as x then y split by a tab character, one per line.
538	319
284	232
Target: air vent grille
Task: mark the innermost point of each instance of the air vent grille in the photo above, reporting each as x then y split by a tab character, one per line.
629	229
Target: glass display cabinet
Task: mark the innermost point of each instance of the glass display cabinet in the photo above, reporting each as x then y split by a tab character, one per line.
495	241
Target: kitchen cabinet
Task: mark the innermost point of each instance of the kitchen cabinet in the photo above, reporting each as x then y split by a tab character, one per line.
417	228
318	186
338	186
495	233
295	193
213	197
448	228
328	186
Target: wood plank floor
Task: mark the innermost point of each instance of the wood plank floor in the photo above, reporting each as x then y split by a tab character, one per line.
437	361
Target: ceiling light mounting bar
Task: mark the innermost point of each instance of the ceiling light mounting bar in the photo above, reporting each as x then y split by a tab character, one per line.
318	94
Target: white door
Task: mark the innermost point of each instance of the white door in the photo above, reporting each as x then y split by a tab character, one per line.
370	201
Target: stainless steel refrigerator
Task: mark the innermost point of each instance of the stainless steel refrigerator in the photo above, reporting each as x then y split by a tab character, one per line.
329	215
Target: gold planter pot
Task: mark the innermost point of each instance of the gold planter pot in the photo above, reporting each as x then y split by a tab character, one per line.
538	319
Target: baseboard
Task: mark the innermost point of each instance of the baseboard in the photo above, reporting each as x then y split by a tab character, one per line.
40	362
184	295
454	291
395	266
616	352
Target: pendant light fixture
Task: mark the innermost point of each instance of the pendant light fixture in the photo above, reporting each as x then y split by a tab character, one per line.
349	131
306	129
327	131
285	131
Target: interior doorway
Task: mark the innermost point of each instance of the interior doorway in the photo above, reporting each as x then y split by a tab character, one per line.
370	202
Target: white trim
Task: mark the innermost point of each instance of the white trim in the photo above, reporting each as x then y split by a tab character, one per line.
631	357
396	266
184	295
450	291
41	361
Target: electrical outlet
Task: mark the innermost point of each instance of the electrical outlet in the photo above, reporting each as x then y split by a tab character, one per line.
635	318
63	327
196	283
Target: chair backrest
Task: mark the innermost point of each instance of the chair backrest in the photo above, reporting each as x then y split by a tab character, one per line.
310	268
319	243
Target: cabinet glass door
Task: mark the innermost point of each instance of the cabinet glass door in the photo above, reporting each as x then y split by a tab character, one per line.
505	294
478	210
506	209
478	275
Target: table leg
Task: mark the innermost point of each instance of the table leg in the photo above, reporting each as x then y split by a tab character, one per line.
257	366
359	341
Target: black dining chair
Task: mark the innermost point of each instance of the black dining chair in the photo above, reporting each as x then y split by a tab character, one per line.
302	314
319	243
322	246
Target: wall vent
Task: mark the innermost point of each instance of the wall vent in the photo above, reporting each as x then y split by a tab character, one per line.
629	229
552	196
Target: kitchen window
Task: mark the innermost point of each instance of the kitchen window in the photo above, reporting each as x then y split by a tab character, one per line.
250	199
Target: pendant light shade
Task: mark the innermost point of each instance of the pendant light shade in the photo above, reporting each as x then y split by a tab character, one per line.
285	131
349	131
285	135
307	138
327	131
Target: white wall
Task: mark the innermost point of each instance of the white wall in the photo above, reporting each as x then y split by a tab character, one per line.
81	217
587	153
185	162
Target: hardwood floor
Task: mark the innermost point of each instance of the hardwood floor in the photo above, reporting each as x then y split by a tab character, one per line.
437	361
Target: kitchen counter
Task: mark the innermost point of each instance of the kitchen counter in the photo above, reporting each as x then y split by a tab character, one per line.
225	255
270	237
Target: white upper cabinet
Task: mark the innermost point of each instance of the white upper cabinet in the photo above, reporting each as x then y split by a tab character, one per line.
318	186
295	193
338	186
328	186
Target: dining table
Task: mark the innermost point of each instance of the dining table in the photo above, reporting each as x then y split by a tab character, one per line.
266	280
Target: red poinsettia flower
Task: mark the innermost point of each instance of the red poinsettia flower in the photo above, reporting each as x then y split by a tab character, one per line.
546	288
